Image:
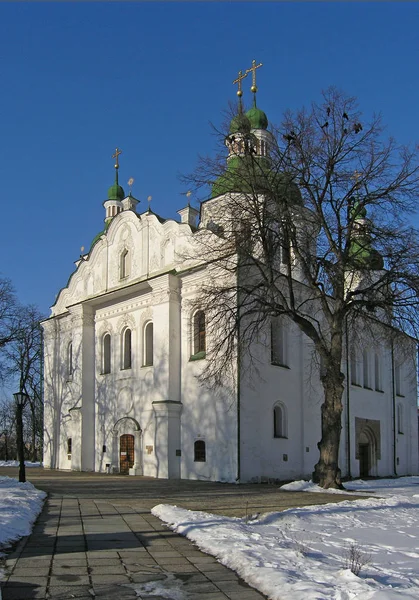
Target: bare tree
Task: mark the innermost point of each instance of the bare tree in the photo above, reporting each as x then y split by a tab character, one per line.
313	227
22	358
8	311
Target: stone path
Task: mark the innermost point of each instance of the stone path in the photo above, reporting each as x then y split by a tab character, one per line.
96	538
86	548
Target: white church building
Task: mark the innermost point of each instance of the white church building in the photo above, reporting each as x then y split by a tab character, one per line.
125	344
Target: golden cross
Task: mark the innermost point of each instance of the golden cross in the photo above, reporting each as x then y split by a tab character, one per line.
239	81
253	69
356	176
115	156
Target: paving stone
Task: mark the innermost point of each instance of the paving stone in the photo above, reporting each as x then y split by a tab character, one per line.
38	571
107	569
103	562
32	562
71	562
245	595
114	592
68	580
200	587
63	569
23	593
102	554
221	575
100	579
209	596
34	580
63	592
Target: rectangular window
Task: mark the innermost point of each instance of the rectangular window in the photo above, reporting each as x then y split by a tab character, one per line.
279	343
354	368
366	369
377	373
399	418
69	445
398	380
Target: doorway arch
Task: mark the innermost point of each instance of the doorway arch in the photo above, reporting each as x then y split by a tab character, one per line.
127	446
367	453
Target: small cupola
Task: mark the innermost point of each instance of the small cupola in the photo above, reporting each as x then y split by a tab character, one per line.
113	204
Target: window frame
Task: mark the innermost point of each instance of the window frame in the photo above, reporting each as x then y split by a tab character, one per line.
200	454
400	419
124	264
398	380
70	365
199	335
148	353
279	343
126	355
106	354
280	421
366	369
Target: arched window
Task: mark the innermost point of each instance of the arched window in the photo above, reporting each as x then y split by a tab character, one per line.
70	360
377	373
400	428
124	264
199	332
354	367
199	451
398	379
126	349
148	345
280	421
106	353
279	343
366	369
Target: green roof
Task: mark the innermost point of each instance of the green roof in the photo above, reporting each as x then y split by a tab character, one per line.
253	174
257	118
116	192
240	124
363	256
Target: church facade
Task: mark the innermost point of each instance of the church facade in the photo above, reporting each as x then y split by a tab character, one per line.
125	345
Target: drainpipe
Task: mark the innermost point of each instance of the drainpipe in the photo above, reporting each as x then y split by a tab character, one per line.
238	384
348	421
393	396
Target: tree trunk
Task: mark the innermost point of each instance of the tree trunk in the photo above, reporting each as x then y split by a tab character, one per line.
34	453
327	472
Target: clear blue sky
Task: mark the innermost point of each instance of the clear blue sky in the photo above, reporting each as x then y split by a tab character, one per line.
79	79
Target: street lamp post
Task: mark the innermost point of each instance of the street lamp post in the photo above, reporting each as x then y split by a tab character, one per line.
20	399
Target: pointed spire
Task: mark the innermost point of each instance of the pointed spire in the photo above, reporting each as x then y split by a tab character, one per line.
116	157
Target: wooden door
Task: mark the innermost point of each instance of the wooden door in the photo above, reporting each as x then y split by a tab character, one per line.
364	460
126	453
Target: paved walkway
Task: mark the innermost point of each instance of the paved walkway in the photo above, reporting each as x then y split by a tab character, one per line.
96	538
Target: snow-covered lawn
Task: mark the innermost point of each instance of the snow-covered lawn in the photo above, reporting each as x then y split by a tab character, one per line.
15	463
20	504
302	553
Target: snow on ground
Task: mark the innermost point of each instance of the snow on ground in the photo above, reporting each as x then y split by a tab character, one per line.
15	463
302	553
20	504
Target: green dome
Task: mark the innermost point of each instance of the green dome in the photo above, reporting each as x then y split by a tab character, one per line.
358	211
116	192
257	118
240	124
249	175
363	256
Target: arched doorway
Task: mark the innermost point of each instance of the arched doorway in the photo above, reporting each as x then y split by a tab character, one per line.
367	453
126	453
127	446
